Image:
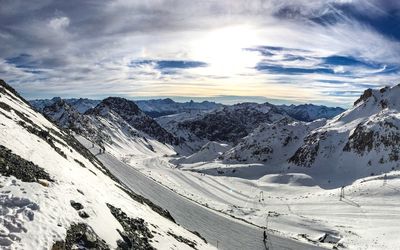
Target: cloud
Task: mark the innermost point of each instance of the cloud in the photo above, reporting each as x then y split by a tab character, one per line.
59	23
298	50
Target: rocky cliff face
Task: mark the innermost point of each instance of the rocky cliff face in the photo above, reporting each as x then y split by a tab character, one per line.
132	115
232	123
271	142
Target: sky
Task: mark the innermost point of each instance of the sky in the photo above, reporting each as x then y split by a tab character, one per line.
283	51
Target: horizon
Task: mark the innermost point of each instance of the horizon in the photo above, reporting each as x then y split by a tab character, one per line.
224	100
285	52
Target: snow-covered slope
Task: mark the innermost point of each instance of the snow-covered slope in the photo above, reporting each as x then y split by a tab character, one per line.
271	143
362	141
162	107
55	194
209	152
117	131
310	112
80	104
133	116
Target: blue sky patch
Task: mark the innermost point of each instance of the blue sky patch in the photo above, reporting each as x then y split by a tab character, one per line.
22	61
170	64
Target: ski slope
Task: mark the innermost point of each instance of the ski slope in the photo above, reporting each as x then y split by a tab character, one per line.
217	228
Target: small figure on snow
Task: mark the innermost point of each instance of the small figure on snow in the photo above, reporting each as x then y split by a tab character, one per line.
341	192
265	237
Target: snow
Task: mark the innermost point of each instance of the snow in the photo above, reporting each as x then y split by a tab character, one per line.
294	199
209	152
34	216
302	202
365	219
219	229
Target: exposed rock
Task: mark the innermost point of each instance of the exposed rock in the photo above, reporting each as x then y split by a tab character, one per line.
232	123
76	205
83	214
361	140
367	94
306	154
81	236
136	235
179	238
131	113
12	164
163	212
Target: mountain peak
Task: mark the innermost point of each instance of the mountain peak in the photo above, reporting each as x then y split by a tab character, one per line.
118	105
386	97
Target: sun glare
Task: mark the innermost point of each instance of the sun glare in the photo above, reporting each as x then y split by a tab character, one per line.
225	49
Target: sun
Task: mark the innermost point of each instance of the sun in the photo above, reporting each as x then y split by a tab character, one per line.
225	49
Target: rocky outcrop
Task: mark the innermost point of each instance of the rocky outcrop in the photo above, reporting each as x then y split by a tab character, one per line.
135	235
81	236
367	94
131	113
232	123
13	165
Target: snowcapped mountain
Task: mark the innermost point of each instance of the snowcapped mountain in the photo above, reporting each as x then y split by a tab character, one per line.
310	112
231	123
80	104
55	194
65	115
154	108
209	152
115	121
162	107
131	114
362	141
271	143
116	124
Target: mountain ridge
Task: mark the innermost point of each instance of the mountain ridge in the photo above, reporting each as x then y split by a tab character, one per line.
58	195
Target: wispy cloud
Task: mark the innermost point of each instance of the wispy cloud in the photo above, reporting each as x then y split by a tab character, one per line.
297	50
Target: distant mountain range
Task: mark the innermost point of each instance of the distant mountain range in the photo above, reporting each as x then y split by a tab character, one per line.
188	126
310	112
161	107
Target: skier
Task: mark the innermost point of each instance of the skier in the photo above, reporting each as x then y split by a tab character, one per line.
265	236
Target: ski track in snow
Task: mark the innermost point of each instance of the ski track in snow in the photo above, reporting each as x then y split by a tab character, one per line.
217	228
